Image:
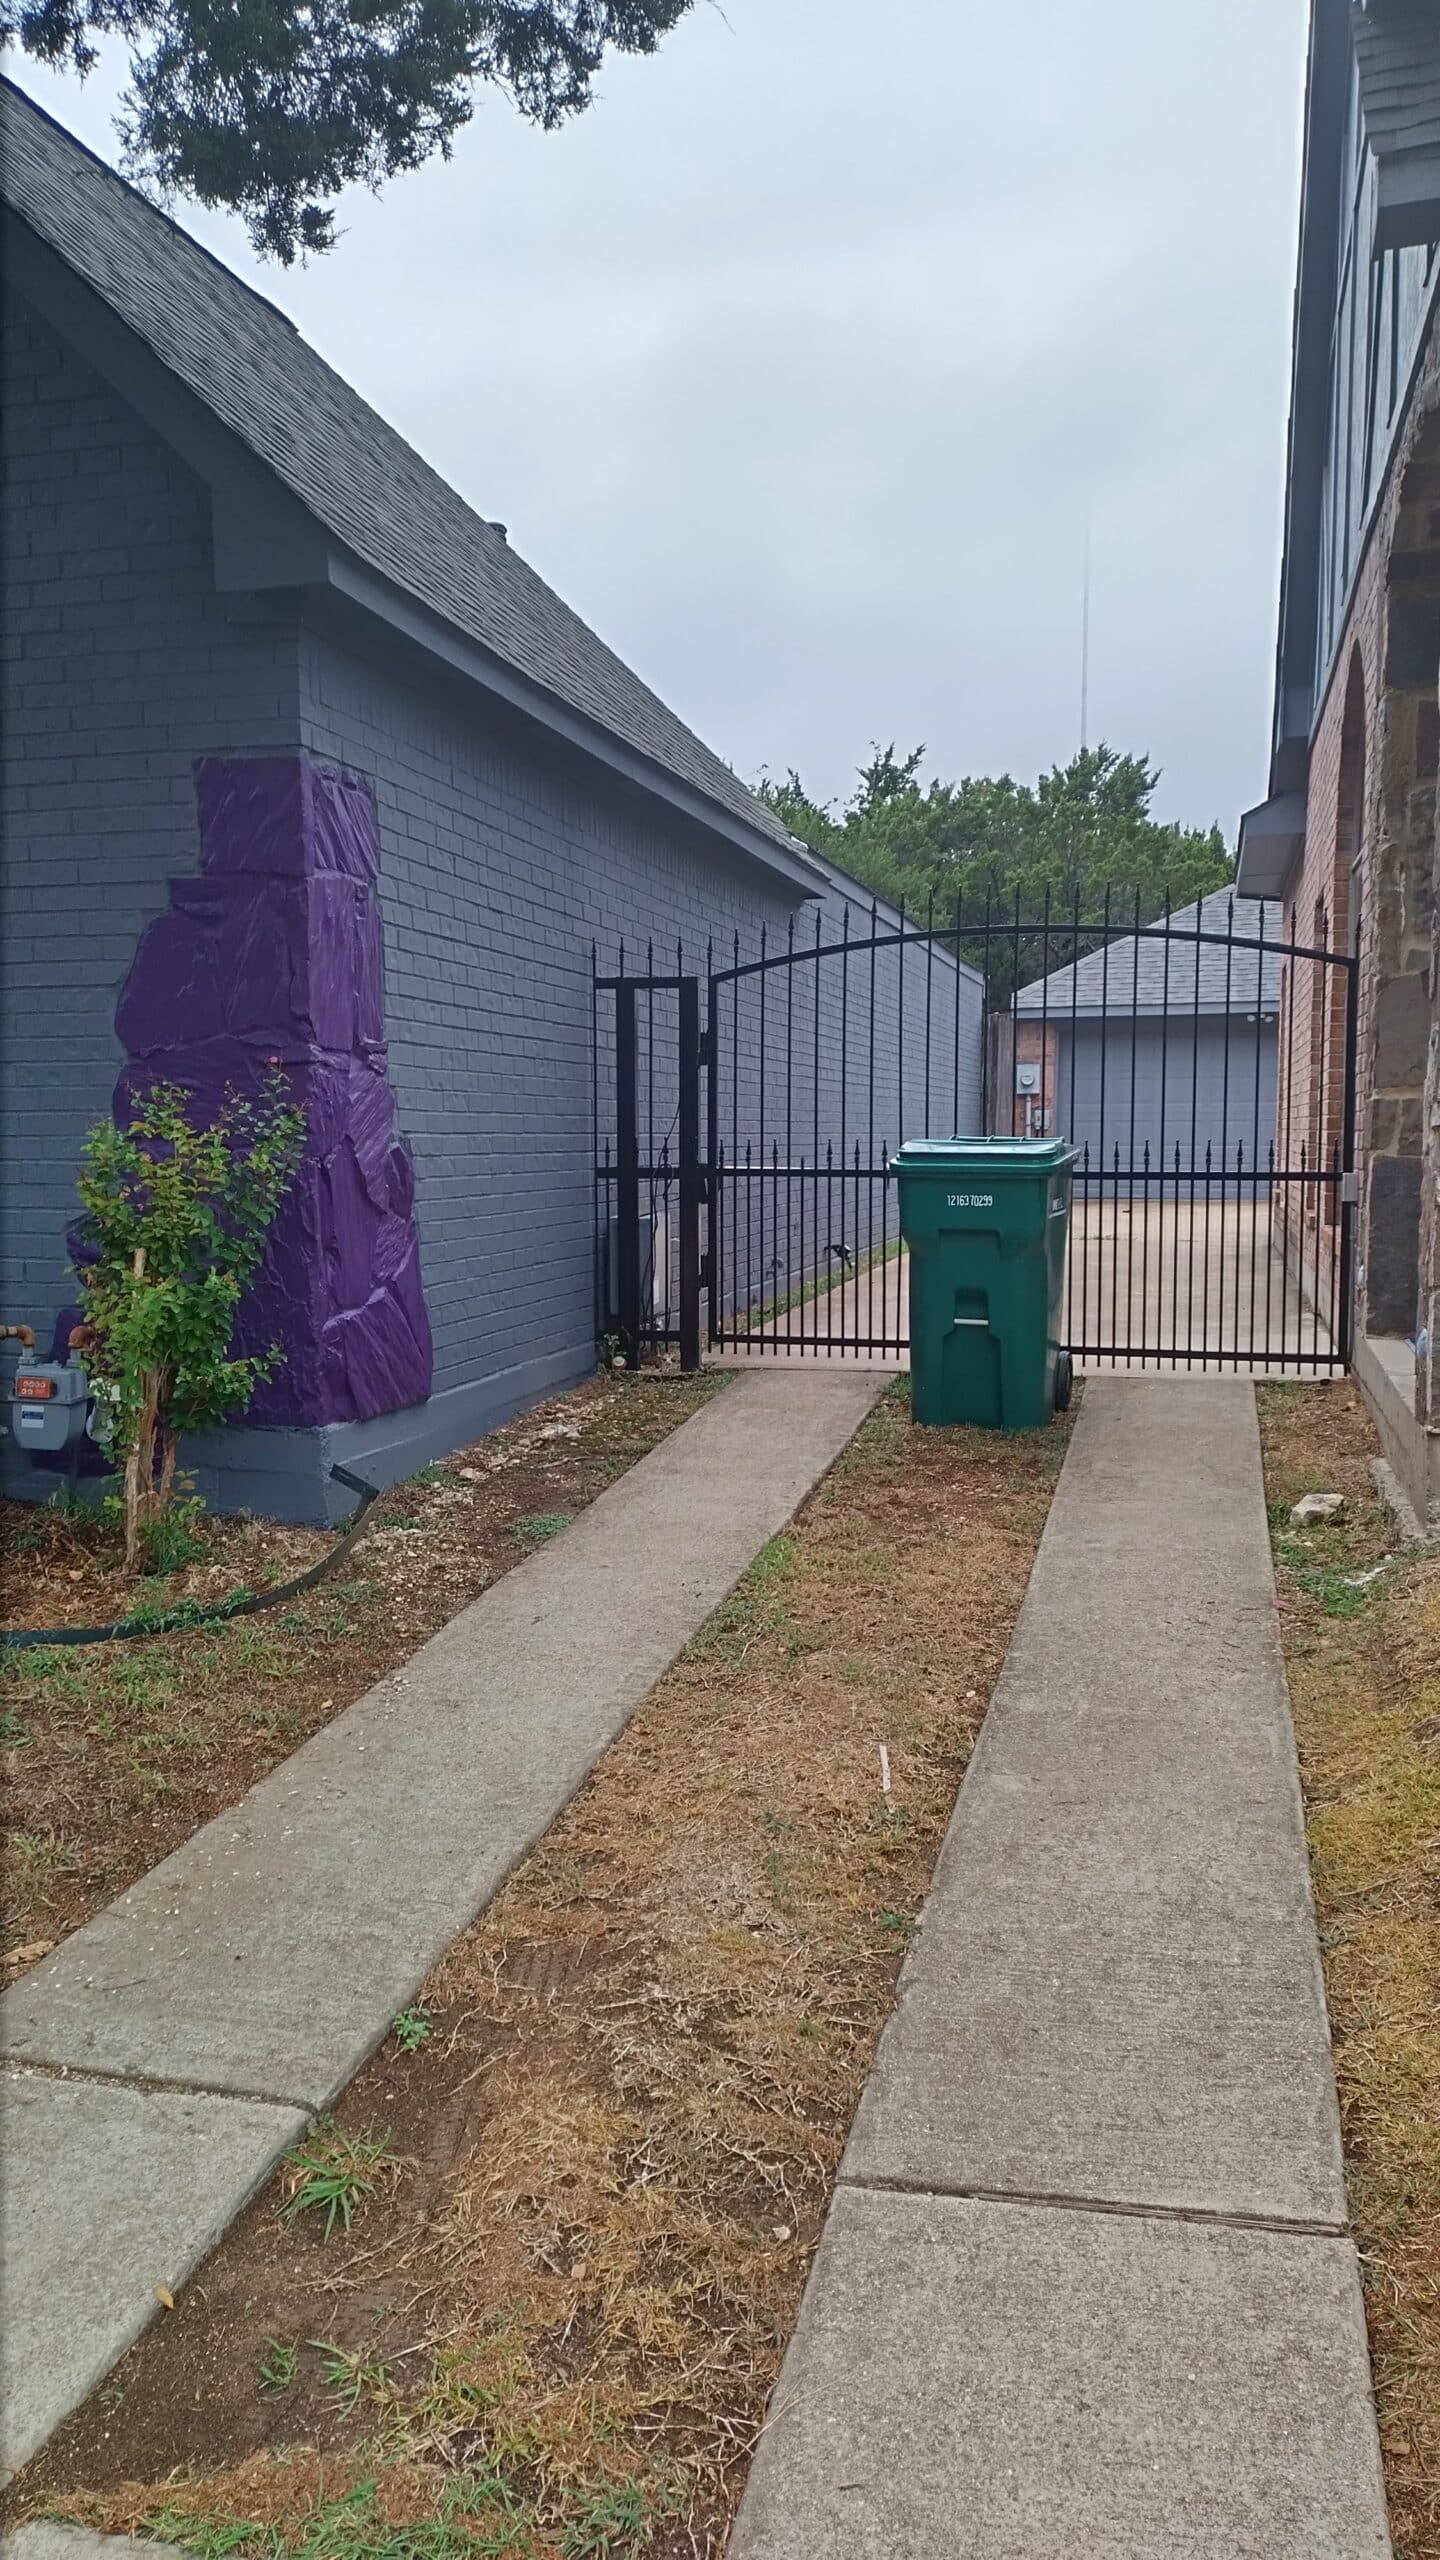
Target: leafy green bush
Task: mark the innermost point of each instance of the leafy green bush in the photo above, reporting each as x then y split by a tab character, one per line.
175	1224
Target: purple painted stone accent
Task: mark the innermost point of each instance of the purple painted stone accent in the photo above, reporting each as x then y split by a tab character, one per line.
275	951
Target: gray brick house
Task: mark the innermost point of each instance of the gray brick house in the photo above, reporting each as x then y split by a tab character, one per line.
302	760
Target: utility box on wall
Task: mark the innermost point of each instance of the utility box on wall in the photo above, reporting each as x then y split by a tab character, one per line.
48	1404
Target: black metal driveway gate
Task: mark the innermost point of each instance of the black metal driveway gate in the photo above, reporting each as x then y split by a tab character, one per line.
1201	1064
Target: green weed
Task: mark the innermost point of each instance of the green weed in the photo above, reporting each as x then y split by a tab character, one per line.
535	1527
348	2377
278	2366
411	2028
332	2171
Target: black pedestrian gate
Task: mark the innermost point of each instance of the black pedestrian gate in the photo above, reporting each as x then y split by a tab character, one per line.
1201	1064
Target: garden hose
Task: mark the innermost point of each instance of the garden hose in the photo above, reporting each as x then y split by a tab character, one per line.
243	1604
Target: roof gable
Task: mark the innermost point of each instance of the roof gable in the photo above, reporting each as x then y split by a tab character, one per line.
349	470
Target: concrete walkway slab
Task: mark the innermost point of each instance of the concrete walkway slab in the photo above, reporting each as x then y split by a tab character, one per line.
264	1960
1116	1993
1016	2382
73	2542
1084	2288
105	2193
268	1955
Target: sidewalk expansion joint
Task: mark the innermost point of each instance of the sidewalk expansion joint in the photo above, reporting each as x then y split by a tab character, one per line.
1207	2218
20	2066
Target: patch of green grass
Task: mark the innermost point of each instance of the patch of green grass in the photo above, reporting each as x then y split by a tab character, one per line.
534	1527
897	1924
1340	1593
411	2028
42	1858
614	2524
332	2171
278	2366
12	1731
752	1610
54	1672
275	1723
470	2523
140	1681
478	2516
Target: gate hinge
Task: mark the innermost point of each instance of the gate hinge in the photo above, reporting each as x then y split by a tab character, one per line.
702	1054
704	1271
1349	1190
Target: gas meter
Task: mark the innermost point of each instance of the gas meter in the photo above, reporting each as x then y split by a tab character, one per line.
48	1402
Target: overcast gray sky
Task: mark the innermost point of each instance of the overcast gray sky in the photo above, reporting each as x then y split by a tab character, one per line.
798	362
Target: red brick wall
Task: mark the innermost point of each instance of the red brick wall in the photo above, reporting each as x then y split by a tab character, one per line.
1374	751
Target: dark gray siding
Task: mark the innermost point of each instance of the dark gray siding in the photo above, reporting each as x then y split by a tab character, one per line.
1182	1084
120	664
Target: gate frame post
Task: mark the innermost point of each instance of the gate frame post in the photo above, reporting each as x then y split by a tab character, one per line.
627	1176
714	1241
690	1175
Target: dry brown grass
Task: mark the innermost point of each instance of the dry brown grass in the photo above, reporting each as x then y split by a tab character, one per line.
112	1754
1364	1669
624	2130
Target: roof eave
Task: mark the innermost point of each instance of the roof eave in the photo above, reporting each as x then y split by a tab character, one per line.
353	580
265	539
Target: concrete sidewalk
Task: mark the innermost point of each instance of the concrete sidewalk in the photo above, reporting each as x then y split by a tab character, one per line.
164	2057
1085	2287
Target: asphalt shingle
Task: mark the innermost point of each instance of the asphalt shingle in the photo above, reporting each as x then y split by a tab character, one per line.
1159	973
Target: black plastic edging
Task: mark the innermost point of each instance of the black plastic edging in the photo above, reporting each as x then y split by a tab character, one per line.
245	1604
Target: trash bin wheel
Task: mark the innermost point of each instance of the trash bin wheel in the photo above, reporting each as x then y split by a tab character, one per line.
1064	1382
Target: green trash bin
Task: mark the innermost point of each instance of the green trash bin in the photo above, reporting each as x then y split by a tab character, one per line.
986	1222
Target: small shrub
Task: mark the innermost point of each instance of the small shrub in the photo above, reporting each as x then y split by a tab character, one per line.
176	1220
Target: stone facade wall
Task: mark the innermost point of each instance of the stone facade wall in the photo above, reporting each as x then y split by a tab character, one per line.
1368	868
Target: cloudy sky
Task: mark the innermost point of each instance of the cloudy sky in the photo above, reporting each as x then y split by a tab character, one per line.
798	363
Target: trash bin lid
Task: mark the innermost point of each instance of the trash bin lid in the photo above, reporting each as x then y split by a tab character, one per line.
996	1155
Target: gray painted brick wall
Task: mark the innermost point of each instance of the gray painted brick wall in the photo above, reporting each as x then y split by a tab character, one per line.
501	863
501	866
119	664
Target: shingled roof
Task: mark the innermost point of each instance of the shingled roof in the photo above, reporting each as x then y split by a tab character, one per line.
351	471
1155	973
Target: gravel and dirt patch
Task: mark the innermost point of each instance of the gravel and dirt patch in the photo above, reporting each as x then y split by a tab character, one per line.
1360	1621
587	2173
112	1754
